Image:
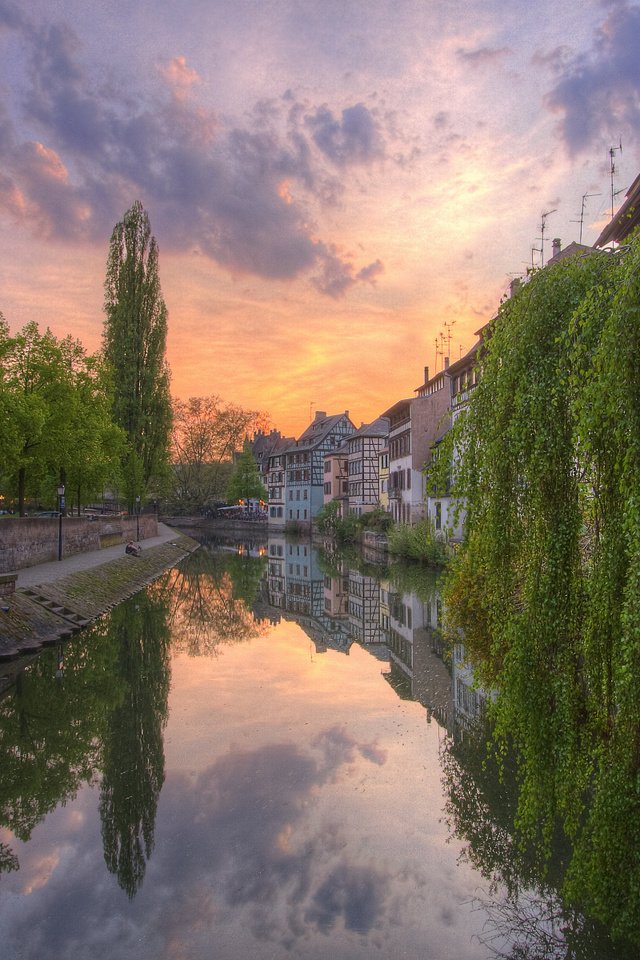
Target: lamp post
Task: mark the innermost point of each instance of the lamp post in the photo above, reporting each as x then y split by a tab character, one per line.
60	509
138	519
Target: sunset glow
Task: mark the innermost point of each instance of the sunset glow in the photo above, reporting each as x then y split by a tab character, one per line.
332	185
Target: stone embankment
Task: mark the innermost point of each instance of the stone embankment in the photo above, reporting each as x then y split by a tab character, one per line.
47	613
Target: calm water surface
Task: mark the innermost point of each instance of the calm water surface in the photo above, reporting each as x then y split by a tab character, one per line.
243	762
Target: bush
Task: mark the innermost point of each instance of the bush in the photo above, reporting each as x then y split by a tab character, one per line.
418	542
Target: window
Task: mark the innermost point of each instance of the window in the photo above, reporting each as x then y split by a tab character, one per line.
438	515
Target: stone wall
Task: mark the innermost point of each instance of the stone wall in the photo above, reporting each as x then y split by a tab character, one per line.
26	541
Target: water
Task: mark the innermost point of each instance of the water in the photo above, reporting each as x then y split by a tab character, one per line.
190	779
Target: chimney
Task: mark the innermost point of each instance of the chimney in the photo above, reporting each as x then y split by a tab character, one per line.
514	286
556	246
446	363
426	374
320	415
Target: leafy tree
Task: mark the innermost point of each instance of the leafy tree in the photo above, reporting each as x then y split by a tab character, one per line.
55	421
245	482
134	340
206	432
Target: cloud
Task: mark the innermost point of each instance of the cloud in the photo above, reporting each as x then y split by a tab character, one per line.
240	193
338	275
597	93
179	76
482	55
355	138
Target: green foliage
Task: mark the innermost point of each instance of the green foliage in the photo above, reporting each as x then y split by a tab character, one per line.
418	542
377	519
546	589
331	524
245	482
134	342
55	418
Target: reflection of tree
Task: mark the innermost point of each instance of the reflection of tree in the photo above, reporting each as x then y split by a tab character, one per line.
51	731
533	920
8	859
210	596
133	770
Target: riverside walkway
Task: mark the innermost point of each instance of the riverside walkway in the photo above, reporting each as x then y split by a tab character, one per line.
54	600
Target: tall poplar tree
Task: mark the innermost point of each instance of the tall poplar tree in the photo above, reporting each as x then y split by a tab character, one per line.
135	334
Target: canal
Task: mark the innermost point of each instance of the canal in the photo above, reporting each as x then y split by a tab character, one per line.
267	754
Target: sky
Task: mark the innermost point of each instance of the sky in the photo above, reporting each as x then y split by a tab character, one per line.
341	191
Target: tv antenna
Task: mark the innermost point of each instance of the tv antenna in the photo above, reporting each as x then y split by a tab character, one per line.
531	268
585	197
543	227
447	336
613	171
311	406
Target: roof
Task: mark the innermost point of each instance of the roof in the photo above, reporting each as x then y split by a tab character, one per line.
377	428
626	219
469	357
321	427
572	250
396	407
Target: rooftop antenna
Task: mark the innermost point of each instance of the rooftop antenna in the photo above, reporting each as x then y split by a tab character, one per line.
585	197
311	406
533	266
439	347
543	227
613	171
447	326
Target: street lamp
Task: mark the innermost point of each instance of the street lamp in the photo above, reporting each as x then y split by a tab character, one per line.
60	509
138	519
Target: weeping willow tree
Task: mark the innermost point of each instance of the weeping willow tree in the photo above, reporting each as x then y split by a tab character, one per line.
546	588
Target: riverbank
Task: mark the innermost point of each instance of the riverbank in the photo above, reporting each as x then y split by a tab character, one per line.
52	601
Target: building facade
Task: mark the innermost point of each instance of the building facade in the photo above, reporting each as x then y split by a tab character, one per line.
363	465
296	473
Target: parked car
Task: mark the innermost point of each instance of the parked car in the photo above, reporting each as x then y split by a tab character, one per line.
47	513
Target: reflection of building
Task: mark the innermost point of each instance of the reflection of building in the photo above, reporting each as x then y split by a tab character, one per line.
275	569
469	700
364	609
337	608
418	671
303	593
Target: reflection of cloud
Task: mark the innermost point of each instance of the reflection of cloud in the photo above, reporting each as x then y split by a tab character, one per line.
234	851
597	93
237	193
355	895
340	748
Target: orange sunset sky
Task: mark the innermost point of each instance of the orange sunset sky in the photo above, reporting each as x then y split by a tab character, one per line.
332	185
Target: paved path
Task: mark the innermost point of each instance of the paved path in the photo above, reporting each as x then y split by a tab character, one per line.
55	569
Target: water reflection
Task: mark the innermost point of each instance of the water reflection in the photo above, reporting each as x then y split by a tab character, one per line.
273	803
133	751
210	598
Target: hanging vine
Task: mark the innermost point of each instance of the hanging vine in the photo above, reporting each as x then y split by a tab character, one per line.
546	589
